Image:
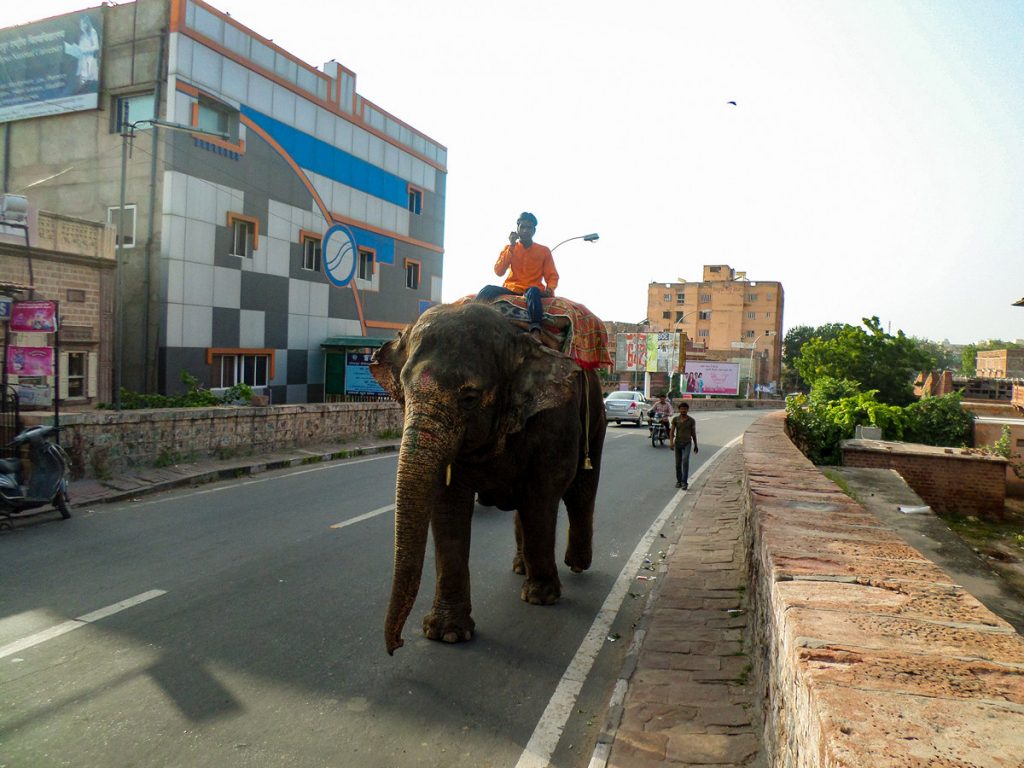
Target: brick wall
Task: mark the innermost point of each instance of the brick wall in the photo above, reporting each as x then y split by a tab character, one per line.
950	480
870	655
104	443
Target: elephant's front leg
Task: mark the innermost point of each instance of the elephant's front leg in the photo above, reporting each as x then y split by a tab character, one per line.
449	619
535	539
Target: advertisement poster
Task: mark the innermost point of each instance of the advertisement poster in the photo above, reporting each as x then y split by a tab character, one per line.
358	379
704	378
649	351
34	317
631	352
30	361
52	66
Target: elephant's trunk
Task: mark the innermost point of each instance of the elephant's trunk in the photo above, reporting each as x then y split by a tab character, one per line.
425	454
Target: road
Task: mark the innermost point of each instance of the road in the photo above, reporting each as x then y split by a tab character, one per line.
240	624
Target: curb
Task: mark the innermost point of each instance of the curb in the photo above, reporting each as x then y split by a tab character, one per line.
230	472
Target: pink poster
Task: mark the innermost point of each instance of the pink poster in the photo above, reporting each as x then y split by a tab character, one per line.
34	317
30	361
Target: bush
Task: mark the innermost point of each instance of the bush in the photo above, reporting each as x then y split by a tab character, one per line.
939	421
817	424
195	396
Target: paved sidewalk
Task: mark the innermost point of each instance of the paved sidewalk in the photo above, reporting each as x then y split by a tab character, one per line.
142	481
688	700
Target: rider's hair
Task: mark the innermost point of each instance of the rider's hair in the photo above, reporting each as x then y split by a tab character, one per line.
527	216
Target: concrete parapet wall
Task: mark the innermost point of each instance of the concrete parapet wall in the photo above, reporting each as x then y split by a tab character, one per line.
951	480
869	654
110	442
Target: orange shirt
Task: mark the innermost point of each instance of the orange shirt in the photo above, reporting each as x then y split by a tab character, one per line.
531	267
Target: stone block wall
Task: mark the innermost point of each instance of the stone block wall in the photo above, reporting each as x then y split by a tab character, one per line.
870	655
951	480
104	443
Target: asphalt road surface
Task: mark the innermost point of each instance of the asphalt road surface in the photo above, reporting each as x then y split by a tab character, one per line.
241	624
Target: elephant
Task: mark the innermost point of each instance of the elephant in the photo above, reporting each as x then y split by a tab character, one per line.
488	410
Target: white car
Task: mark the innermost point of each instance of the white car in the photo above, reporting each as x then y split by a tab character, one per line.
627	406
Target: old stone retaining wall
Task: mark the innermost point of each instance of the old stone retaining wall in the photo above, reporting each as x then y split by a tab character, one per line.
869	654
103	443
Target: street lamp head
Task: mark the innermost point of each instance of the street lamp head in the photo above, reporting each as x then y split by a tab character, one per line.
591	237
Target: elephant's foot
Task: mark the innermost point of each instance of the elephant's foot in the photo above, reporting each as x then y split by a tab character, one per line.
518	564
578	561
541	592
448	628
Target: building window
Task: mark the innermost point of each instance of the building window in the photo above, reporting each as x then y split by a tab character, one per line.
680	298
412	274
245	233
751	315
704	332
213	116
749	334
666	315
705	298
667	297
76	374
751	297
714	269
767	315
769	296
76	296
140	107
114	219
366	259
415	200
311	252
240	367
680	316
704	314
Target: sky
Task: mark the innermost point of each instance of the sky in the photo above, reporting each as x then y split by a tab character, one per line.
872	164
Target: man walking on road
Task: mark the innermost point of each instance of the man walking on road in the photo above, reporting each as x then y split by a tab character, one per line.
682	432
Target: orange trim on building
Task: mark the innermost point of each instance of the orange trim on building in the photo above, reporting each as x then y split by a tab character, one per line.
177	15
191	90
212	351
252	126
385	324
233	217
331	106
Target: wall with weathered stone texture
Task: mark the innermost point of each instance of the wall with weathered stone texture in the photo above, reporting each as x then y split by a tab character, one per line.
871	656
103	443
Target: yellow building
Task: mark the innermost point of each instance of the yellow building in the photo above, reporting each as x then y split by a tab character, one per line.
727	316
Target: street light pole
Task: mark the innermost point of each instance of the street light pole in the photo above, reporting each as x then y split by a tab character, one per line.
585	238
127	134
753	348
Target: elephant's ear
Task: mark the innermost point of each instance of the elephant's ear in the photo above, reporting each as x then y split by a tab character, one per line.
543	379
387	365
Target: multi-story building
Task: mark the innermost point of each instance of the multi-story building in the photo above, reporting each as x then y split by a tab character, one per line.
1000	364
726	316
71	262
269	210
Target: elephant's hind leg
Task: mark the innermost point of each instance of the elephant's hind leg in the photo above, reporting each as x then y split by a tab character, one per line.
535	540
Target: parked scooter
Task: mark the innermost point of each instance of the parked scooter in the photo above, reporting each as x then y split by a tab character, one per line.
658	429
48	482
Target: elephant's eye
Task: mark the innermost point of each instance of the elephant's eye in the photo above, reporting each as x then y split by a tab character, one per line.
469	399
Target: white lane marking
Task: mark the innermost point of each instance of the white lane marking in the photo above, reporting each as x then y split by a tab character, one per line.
552	723
82	621
366	516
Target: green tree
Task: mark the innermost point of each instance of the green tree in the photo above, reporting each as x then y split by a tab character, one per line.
793	342
876	360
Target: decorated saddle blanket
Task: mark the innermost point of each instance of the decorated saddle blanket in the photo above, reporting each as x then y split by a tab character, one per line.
569	327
